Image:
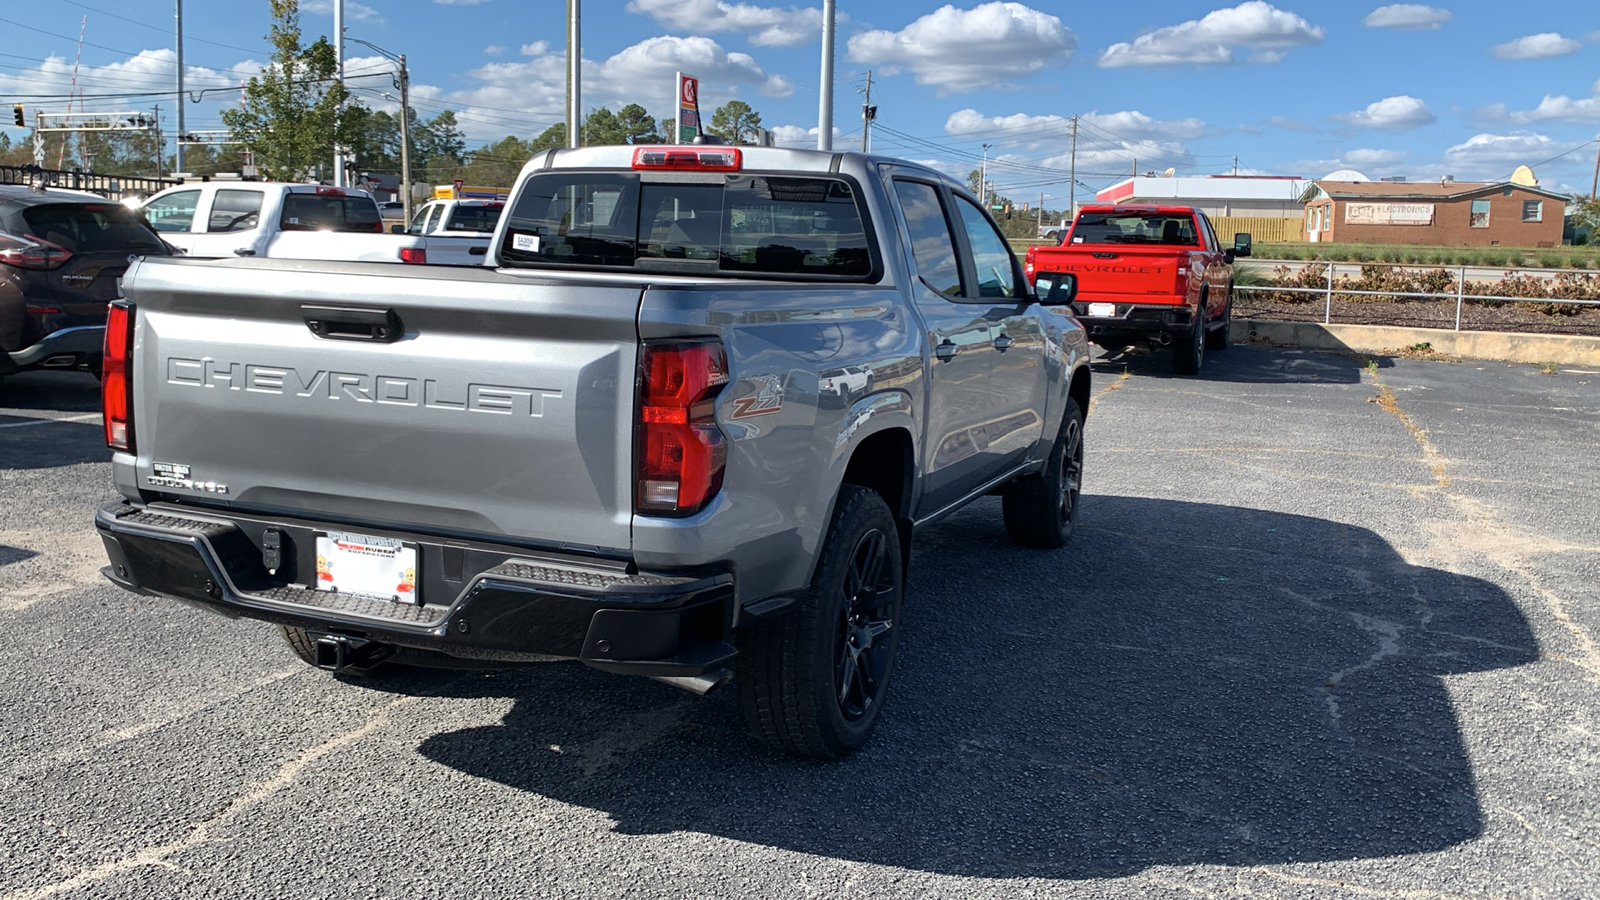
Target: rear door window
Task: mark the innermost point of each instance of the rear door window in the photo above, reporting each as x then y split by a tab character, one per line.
234	211
474	218
753	225
329	212
92	228
174	212
932	247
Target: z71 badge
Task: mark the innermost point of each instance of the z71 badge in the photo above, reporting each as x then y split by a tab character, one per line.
176	475
766	400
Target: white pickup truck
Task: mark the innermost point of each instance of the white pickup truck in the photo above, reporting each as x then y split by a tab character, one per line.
275	220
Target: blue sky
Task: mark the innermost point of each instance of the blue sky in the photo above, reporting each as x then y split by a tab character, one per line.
1290	88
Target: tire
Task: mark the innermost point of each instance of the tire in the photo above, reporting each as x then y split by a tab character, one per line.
1217	338
301	642
1042	510
813	682
1189	354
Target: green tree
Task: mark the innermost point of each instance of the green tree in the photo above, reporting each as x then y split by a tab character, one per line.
1585	218
736	122
551	138
290	117
438	147
497	164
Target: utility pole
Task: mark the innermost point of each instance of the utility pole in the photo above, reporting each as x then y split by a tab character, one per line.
405	140
983	177
1596	185
177	146
1072	174
1236	166
1039	220
338	57
825	83
574	72
868	113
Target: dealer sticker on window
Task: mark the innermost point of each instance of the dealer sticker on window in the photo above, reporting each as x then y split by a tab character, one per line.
366	565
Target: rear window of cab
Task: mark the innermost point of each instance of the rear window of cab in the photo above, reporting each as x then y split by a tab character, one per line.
746	225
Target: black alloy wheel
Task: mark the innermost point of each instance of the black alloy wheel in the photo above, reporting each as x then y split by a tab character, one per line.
868	597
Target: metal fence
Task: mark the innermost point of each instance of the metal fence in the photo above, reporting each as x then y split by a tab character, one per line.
1460	295
112	187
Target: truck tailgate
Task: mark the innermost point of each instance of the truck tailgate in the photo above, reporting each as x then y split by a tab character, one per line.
505	411
1119	273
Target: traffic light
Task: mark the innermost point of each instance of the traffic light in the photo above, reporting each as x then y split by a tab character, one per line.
17	116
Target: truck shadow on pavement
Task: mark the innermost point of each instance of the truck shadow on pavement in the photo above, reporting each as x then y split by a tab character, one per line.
1183	684
1243	364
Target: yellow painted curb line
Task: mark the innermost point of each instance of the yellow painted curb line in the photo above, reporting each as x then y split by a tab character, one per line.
1567	350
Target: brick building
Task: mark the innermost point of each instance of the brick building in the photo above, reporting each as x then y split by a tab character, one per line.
1446	213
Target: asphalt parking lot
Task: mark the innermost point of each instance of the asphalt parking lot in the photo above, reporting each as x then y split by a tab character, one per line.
1327	629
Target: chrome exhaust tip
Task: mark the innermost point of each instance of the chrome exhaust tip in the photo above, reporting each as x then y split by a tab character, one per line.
700	685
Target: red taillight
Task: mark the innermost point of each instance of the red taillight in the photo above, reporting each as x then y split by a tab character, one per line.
681	452
44	255
1028	266
330	192
696	159
116	382
417	255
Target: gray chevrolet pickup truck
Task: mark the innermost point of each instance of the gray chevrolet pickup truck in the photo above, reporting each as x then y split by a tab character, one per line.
611	443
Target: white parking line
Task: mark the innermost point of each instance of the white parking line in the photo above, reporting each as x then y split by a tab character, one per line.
83	418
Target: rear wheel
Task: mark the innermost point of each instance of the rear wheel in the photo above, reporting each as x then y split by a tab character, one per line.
1041	510
1189	352
1217	338
814	682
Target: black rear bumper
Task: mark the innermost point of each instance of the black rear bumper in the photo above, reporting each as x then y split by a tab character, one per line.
481	601
1136	320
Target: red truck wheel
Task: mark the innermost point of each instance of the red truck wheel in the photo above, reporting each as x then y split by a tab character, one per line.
1189	351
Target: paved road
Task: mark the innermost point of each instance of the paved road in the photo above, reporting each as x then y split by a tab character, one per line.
1325	631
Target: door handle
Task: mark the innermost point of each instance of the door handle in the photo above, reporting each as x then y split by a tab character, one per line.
945	351
1003	343
477	251
352	323
244	251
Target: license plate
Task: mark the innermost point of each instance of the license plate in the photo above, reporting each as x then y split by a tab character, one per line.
1102	310
366	565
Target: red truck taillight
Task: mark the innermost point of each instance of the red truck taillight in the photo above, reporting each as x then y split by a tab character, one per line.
1028	267
116	382
680	452
418	255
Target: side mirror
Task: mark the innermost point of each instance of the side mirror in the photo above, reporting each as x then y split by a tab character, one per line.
397	229
1055	288
1241	244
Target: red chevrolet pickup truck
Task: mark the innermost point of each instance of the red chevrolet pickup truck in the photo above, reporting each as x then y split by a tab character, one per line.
1148	273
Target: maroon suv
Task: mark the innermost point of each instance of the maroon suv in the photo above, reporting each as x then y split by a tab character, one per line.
61	253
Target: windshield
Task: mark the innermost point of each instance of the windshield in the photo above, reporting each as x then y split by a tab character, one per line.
1173	229
92	228
754	225
329	212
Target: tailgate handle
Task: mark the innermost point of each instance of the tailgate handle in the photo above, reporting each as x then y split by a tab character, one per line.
352	323
478	251
1104	254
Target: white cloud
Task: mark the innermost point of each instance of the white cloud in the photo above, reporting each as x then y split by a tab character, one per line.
1393	113
523	97
799	135
150	70
1107	142
1488	157
537	48
1537	46
1414	16
494	50
1373	163
1256	25
1557	108
360	12
766	26
1288	124
955	50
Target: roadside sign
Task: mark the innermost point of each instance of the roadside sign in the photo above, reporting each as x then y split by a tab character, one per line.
688	92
